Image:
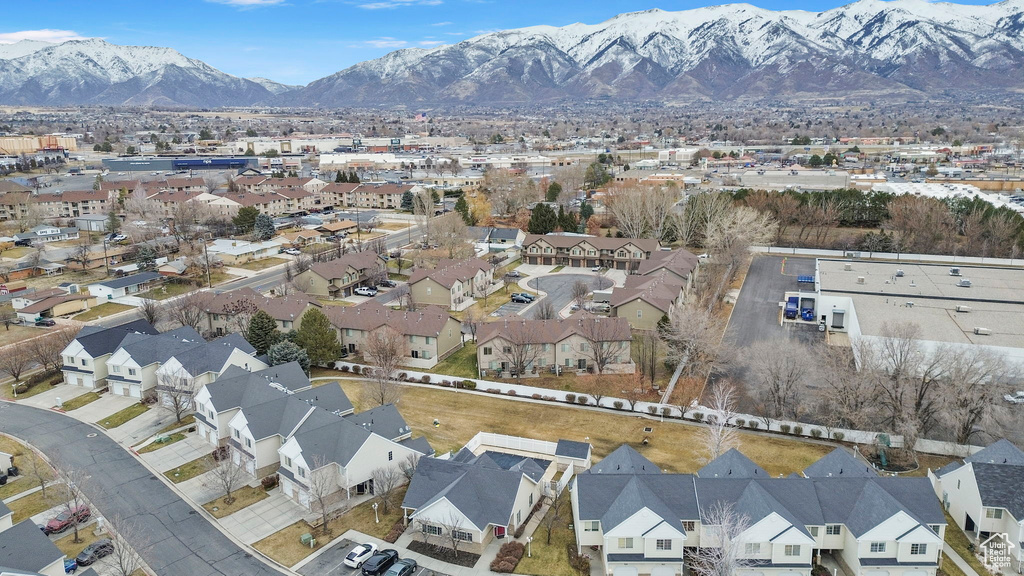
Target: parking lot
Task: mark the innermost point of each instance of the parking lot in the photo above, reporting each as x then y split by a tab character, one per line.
331	563
559	286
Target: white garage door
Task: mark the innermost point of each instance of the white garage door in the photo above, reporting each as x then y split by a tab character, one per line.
236	458
304	501
250	467
135	390
286	487
664	571
625	571
87	382
876	573
118	388
915	573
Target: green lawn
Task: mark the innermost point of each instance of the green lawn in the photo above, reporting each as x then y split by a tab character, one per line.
102	311
118	418
154	446
220	277
70	548
185	421
462	363
263	264
243	497
79	401
168	290
949	568
37	388
190	470
557	269
551	559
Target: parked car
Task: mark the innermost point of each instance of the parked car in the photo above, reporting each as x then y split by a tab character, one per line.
95	551
116	237
45	322
360	554
388	283
70	565
529	297
23	242
65	519
292	251
404	567
514	274
366	291
519	299
595	269
380	562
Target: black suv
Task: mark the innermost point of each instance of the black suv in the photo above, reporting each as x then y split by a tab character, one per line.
380	562
95	551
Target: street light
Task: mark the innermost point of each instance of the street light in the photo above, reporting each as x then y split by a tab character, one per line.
529	546
375	517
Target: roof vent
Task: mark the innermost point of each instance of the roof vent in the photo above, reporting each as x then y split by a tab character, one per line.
983	331
848	266
954	271
964	283
860	279
899	273
909	304
963	308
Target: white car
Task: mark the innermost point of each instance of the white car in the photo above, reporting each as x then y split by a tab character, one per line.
360	554
293	251
366	291
595	269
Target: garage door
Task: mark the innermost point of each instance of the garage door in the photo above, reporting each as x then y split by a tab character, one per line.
286	487
304	498
664	571
625	571
118	388
250	467
915	573
135	390
236	458
876	573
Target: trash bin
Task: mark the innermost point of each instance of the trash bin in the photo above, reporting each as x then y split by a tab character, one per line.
12	471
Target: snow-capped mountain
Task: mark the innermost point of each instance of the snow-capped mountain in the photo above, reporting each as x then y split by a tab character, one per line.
22	48
275	88
97	72
869	48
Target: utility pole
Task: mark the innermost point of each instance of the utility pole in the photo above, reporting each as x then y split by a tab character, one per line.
206	256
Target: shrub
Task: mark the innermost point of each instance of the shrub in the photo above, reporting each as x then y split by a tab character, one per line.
469	385
493	391
570	398
505	567
838	436
551	398
618	404
344	368
666	411
403	376
357	369
512	550
652	410
798	430
712	419
784	428
816	432
425	379
269	482
753	424
582	399
445	383
394	535
536	397
740	422
698	416
511	393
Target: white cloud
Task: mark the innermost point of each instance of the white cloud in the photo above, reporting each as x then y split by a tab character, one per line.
455	33
431	43
491	31
44	35
441	24
392	4
387	42
248	3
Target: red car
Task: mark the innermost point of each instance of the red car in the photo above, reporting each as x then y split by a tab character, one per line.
65	519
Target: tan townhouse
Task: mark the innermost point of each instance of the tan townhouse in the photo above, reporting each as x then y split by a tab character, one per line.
588	251
660	284
74	203
429	335
339	277
580	343
230	311
15	205
338	194
453	284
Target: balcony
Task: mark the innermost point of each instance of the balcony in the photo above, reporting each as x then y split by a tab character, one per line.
238	446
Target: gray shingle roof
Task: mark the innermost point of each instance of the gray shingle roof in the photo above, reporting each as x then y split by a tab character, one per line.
1001	486
211	356
131	280
383	420
625	460
99	341
332	440
4	510
572	449
24	547
999	452
419	444
732	464
841	464
238	387
484	494
612	498
146	349
284	413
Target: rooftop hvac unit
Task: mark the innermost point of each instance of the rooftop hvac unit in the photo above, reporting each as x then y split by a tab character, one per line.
983	331
899	273
848	266
962	308
954	271
860	279
964	283
913	284
909	304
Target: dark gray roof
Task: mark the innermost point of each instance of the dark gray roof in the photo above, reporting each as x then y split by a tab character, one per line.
130	280
861	503
999	452
612	498
484	494
331	439
572	449
99	341
625	460
211	356
4	510
146	349
24	547
283	414
841	464
732	464
1001	486
419	444
237	387
505	233
954	465
383	420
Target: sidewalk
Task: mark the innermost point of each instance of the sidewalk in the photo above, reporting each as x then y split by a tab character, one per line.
960	562
48	399
270	515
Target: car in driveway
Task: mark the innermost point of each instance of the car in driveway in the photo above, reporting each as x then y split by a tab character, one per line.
403	567
66	519
95	551
366	291
388	283
46	322
595	269
360	554
514	274
70	565
379	563
520	299
292	251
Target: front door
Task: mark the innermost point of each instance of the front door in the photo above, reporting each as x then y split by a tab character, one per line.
969	524
499	531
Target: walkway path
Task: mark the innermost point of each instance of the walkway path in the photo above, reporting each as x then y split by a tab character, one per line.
958	560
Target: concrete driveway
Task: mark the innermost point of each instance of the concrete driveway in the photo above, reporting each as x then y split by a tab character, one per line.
270	515
559	286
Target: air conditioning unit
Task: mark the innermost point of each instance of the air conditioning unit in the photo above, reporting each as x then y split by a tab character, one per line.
848	266
899	273
860	279
983	331
962	308
954	271
964	283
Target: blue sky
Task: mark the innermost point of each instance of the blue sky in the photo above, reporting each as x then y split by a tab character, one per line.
297	41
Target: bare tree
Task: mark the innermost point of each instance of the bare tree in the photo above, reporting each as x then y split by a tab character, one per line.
151	311
906	376
177	389
605	341
188	217
579	293
693	338
384	348
410	464
45	350
80	253
36	469
646	345
545	310
846	396
449	233
226	477
781	368
642	211
972	387
453	533
516	347
322	486
239	315
723	554
556	512
126	559
718	434
69	491
471	319
189	310
386	481
15	361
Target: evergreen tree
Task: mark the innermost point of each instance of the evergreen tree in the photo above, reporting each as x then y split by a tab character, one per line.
353	178
462	207
815	160
317	338
262	332
287	351
407	200
543	220
245	219
340	176
554	191
146	258
263	228
586	211
113	222
567	220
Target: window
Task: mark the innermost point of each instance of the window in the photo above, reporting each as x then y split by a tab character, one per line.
814	531
428	290
877	547
625	543
506	349
752	548
391	456
348	331
431	529
934	528
689	526
287	462
639	313
70	359
117	369
426	339
236	434
412	339
287	323
487	351
565	347
592	526
519	517
833	530
568	361
215	318
916	549
302	472
792	550
583	346
131	371
83	362
996	513
461	535
531	500
662	544
248	443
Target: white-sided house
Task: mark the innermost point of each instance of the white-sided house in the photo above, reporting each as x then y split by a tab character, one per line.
200	365
124	286
217	402
84	360
984	493
348	450
478	497
131	370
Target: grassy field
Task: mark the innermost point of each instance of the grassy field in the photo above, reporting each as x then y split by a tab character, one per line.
190	470
16	252
285	547
102	311
6	391
949	568
154	446
551	559
28	506
185	421
392	226
959	542
168	290
263	264
70	548
461	364
16	333
118	418
79	401
673	445
243	497
21	455
221	277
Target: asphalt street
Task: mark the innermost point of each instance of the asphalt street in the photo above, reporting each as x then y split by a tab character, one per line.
756	314
559	286
171	536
